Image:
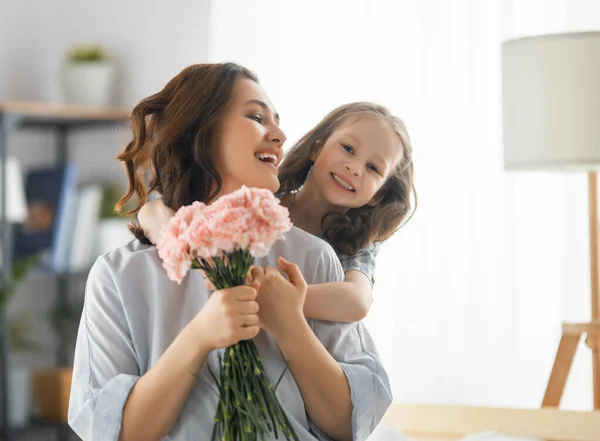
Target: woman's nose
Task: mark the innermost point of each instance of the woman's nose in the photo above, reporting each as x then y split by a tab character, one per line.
278	137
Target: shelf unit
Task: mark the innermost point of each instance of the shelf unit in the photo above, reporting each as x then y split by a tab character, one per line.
18	115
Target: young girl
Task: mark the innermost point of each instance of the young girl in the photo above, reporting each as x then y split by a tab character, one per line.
349	180
145	344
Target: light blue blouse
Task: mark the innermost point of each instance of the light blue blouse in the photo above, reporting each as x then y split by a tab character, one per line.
133	312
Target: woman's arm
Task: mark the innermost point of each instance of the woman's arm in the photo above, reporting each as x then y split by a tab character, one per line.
339	407
351	345
109	398
347	301
321	380
158	396
152	217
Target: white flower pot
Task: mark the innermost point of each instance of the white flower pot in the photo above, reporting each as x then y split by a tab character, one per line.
89	83
19	389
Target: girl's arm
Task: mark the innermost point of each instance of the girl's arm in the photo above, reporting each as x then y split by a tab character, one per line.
152	217
347	301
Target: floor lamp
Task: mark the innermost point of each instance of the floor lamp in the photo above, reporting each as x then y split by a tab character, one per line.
551	117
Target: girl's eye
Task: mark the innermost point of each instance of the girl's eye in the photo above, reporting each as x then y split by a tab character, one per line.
374	168
347	147
256	118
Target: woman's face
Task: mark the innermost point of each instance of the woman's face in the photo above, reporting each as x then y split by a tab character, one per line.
248	147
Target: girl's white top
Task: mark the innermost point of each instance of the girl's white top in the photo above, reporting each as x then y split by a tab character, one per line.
133	312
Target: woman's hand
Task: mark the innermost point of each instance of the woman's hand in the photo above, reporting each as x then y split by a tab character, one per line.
229	316
209	285
281	301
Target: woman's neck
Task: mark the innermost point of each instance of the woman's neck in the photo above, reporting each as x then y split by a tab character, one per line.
307	208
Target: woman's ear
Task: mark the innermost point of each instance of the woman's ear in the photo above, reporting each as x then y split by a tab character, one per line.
316	150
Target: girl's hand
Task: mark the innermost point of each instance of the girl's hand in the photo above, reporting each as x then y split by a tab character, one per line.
152	217
281	301
229	316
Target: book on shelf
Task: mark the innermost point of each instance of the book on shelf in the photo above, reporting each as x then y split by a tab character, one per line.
48	192
63	222
84	231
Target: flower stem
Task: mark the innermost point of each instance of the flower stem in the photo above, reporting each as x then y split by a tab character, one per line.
248	408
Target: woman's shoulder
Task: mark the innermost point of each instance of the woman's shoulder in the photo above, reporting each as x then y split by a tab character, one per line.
133	248
129	259
315	257
308	241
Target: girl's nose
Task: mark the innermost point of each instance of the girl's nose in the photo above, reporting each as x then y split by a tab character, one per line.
355	170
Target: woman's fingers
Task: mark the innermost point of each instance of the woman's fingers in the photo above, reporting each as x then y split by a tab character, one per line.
208	285
248	307
249	332
243	292
248	320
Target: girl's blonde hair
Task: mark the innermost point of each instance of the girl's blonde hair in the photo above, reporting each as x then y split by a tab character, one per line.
358	227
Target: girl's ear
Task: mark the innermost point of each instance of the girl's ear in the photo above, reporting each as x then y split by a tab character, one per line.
316	150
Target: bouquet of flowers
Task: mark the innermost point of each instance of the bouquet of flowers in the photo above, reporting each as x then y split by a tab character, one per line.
222	240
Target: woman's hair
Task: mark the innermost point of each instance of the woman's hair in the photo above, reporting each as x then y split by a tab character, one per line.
173	137
358	227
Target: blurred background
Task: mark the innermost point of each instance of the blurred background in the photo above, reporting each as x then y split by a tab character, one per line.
470	294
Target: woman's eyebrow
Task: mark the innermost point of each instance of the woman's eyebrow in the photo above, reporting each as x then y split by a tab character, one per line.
264	106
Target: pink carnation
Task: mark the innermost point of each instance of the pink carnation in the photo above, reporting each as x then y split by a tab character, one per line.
174	253
249	218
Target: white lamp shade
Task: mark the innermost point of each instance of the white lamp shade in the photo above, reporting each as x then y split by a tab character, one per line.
551	102
16	203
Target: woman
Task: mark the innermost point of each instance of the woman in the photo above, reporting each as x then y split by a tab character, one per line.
144	341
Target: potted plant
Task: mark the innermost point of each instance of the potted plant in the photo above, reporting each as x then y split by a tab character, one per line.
88	77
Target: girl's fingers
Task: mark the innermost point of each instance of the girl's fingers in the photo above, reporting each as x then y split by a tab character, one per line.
293	272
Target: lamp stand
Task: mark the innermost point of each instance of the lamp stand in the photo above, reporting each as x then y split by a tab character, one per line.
571	332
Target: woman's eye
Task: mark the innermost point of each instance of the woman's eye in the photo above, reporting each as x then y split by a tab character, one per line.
256	118
347	147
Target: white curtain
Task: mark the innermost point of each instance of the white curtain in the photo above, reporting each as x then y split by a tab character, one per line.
470	294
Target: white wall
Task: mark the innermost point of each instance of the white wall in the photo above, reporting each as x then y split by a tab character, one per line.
151	41
583	15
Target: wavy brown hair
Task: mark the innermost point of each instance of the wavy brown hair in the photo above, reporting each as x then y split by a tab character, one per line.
358	227
173	134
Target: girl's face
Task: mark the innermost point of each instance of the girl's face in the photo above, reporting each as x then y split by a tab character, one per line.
355	161
248	146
